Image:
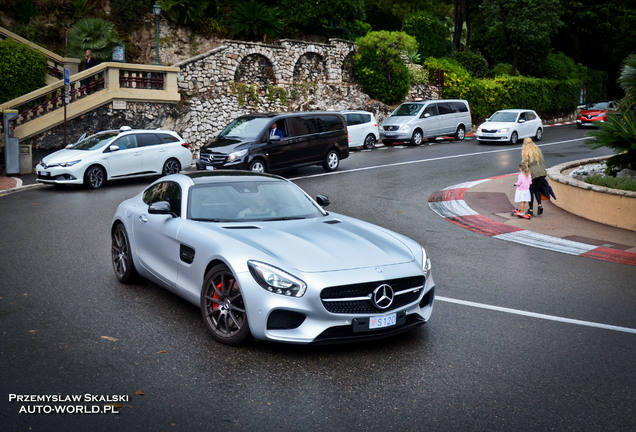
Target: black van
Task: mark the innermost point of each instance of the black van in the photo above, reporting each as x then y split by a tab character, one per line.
273	142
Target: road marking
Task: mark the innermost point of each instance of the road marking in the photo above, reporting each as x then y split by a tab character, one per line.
507	149
538	315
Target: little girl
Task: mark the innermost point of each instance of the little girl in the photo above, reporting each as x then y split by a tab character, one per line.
522	194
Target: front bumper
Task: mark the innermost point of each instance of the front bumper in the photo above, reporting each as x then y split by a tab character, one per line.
493	137
307	320
58	175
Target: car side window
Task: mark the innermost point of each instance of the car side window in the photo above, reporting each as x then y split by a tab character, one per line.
353	119
530	116
445	108
328	123
126	142
301	126
430	109
147	139
166	138
164	191
522	117
459	106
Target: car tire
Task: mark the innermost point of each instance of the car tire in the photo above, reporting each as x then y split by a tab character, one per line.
579	126
369	142
538	135
257	166
331	162
222	306
94	177
172	166
122	256
417	137
460	133
514	138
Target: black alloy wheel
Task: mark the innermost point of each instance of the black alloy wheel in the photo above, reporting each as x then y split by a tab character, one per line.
172	166
122	256
95	177
222	306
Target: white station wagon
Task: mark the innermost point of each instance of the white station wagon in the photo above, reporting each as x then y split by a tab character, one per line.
116	154
510	126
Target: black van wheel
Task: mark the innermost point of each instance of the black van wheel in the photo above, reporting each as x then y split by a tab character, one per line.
417	137
257	165
332	160
460	133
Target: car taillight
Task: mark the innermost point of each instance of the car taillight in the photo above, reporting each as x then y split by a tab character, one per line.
186	145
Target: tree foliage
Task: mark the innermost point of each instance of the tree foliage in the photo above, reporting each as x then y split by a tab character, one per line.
185	12
322	17
22	69
378	64
430	32
256	19
521	23
95	34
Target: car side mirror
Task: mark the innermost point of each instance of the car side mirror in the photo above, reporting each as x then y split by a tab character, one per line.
322	200
427	115
161	207
274	139
521	121
113	148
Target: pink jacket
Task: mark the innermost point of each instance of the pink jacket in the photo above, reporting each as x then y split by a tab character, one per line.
523	181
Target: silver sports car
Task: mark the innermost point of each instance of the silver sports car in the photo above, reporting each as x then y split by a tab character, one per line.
260	257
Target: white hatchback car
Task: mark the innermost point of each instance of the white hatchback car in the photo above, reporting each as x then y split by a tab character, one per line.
510	126
362	128
116	154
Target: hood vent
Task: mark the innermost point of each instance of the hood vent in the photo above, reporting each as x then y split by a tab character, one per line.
333	221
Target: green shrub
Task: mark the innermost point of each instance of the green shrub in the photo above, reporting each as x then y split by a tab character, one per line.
186	12
503	69
378	65
622	183
22	69
126	13
561	67
418	74
432	36
473	62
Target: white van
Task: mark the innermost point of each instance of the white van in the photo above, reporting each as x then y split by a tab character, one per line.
415	121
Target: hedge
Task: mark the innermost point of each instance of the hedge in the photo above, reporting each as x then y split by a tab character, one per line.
22	70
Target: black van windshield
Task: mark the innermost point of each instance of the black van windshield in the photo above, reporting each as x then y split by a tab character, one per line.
246	127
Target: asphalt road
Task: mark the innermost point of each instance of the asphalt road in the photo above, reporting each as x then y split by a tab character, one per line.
69	329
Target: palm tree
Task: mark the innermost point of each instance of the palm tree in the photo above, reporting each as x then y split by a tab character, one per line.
95	34
619	132
251	18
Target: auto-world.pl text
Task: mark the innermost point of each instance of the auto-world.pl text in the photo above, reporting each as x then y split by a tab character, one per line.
86	403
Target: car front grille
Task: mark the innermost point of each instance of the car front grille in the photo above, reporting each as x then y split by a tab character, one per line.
358	298
489	130
212	158
390	128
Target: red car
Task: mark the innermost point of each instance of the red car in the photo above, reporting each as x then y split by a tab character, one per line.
594	112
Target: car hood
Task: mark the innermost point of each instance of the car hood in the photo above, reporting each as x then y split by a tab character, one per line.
398	120
329	243
593	112
496	125
65	155
225	145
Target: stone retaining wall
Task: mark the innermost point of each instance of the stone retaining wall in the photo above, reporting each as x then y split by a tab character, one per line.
608	206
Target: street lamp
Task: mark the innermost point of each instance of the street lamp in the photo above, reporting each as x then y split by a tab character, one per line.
156	9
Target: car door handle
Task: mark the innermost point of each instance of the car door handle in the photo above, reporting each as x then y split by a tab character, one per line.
143	218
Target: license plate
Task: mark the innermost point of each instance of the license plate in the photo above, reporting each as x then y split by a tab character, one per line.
389	133
209	167
382	321
44	173
488	135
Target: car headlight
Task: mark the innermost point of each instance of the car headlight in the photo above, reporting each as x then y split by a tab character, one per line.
236	155
276	280
479	129
70	164
426	263
504	130
405	127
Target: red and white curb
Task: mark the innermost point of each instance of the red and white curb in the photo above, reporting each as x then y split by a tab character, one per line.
449	203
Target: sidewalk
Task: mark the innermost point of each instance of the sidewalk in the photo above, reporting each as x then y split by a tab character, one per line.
484	206
9	184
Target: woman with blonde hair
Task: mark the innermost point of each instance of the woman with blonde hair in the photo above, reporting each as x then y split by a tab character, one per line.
533	157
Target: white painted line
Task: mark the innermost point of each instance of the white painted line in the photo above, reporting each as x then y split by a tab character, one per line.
507	149
544	241
538	315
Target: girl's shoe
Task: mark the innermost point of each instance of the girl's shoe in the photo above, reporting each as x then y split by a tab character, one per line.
530	213
540	211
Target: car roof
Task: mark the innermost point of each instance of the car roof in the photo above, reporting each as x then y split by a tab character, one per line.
355	112
290	114
515	110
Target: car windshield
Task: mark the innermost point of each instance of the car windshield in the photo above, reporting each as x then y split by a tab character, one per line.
597	106
246	127
407	110
94	142
504	117
250	201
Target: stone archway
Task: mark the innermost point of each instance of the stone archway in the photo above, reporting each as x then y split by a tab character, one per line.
347	69
255	68
310	67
